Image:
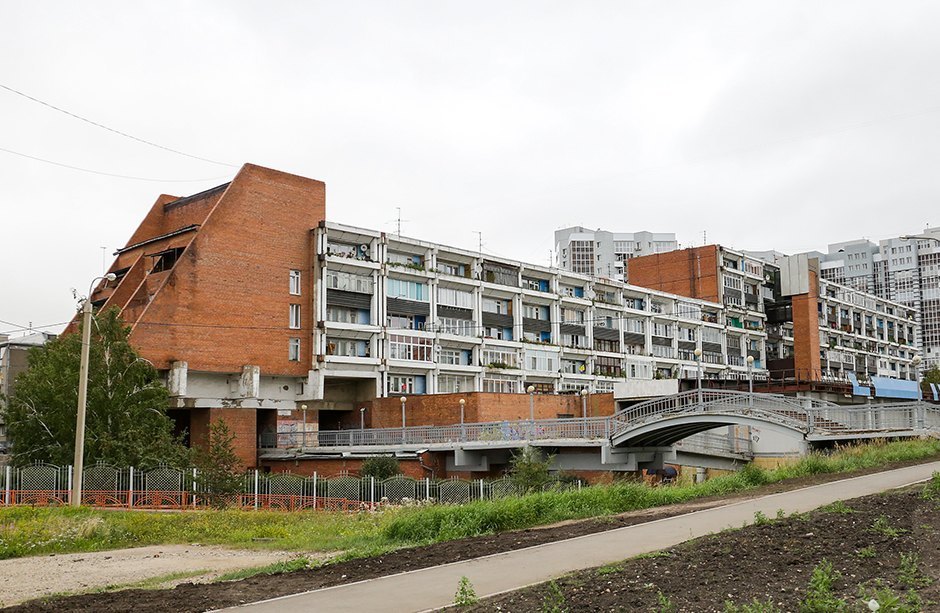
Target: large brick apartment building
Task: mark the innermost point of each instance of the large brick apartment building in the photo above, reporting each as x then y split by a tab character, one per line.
817	331
255	308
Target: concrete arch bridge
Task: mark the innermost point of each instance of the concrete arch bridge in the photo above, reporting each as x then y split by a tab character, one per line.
679	429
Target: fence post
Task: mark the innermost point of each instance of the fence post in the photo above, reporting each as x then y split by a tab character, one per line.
427	489
6	487
314	490
194	488
481	490
371	491
256	489
130	488
579	485
69	467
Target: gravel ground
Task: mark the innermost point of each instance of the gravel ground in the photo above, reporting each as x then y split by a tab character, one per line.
26	578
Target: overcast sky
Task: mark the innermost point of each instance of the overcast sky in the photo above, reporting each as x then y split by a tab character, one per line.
768	125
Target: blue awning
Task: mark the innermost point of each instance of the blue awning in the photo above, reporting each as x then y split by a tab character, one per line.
895	388
858	390
936	392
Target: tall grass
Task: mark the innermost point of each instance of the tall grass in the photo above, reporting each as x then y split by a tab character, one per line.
31	531
442	523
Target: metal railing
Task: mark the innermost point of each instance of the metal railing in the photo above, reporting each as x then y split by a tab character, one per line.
502	431
803	414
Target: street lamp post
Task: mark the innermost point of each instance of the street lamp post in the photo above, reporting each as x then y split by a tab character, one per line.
531	391
698	363
915	362
584	395
79	461
463	432
303	428
362	418
403	400
750	381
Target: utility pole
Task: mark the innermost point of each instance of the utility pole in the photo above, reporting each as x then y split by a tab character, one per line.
79	460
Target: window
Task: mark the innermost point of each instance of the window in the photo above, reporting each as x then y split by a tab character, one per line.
293	350
295	282
295	317
452	325
401	384
572	316
454	357
662	330
541	360
409	348
531	311
451	384
348	282
455	297
347	316
496	358
456	270
408	290
405	322
347	347
500	384
608	367
493	305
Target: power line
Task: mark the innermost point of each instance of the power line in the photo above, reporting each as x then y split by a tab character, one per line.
21	328
104	127
109	174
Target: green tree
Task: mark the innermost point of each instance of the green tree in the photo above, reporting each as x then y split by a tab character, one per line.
529	469
932	375
218	468
126	420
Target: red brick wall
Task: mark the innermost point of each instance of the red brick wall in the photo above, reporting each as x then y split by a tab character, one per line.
687	272
444	409
241	422
806	330
225	304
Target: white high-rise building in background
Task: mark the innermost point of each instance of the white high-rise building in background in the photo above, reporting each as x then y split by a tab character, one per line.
905	270
600	253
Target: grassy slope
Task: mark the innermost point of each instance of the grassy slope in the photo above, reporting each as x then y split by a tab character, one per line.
32	531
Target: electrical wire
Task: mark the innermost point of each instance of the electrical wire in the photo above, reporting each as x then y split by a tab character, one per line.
110	174
109	129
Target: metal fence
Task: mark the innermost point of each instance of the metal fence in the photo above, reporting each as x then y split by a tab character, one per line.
165	487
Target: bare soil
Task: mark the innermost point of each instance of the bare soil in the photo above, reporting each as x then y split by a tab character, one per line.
769	562
198	597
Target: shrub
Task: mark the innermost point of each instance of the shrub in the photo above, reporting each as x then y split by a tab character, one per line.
380	468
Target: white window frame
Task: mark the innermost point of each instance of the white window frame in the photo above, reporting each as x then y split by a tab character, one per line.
294	317
294	282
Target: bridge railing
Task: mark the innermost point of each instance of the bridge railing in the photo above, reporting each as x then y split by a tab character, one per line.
503	431
798	413
772	407
902	416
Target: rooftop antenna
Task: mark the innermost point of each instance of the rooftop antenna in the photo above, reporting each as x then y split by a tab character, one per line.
103	249
398	208
551	258
704	237
479	241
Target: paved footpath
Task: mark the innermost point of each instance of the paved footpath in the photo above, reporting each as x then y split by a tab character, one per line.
430	588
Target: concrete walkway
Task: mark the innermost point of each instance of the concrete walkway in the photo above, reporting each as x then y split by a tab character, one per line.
431	588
